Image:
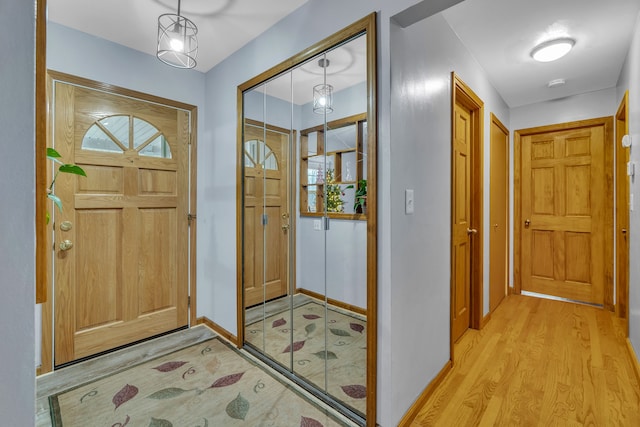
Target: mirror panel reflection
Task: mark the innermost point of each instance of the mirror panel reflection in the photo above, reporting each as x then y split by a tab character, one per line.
304	224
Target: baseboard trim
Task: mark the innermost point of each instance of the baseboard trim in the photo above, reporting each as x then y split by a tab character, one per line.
634	359
333	302
413	411
485	320
217	329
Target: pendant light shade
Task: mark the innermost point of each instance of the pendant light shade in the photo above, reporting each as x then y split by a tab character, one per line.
323	99
177	41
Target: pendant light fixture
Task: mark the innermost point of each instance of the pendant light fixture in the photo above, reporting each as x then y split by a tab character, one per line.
177	42
323	93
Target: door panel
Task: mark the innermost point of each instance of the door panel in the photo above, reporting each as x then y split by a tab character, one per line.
622	212
499	214
462	209
125	277
565	208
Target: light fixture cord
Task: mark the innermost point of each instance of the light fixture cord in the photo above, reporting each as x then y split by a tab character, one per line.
178	7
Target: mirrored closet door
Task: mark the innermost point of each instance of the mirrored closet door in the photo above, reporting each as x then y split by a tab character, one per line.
307	219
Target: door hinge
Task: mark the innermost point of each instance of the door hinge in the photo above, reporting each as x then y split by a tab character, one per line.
265	219
189	301
190	217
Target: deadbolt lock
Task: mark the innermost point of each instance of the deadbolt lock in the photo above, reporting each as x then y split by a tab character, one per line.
66	225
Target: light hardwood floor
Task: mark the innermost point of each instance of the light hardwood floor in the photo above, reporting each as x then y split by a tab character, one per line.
539	362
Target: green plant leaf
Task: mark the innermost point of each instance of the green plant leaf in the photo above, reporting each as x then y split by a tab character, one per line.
77	170
53	159
52	153
56	200
48	217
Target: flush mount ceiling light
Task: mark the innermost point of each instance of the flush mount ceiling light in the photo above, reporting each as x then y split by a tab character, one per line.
552	49
177	42
323	93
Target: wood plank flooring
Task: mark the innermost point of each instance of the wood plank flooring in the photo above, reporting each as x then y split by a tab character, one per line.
539	362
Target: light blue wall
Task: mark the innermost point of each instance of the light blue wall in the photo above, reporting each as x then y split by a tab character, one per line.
629	81
423	57
17	214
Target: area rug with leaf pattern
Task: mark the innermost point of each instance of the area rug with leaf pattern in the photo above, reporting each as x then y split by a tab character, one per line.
344	375
205	385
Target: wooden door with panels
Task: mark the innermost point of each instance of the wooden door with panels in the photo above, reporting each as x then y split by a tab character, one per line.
121	240
466	210
622	211
498	214
266	213
566	211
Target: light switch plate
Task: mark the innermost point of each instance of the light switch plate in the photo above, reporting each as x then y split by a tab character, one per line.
317	224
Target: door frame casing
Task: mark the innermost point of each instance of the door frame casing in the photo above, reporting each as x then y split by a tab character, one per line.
607	123
47	339
622	200
463	94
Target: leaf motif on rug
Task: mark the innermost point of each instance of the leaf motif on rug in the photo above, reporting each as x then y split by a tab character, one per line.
238	408
339	332
167	393
169	366
310	328
212	365
310	422
326	355
125	394
278	323
356	327
294	347
227	380
355	391
310	316
159	423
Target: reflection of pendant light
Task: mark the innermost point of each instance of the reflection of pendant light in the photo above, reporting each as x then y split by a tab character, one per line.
323	93
177	42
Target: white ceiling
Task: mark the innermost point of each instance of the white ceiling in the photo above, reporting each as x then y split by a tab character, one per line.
499	34
224	26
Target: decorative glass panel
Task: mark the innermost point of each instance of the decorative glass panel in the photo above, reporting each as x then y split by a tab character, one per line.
119	127
258	153
157	148
96	139
142	132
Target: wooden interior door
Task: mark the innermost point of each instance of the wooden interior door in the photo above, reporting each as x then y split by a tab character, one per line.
266	214
121	240
499	214
461	213
622	211
566	211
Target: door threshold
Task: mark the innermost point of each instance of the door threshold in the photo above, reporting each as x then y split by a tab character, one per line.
556	298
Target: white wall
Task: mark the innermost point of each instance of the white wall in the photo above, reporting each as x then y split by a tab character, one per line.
422	59
17	214
629	81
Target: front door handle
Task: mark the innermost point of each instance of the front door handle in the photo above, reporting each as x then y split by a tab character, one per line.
527	223
472	231
285	227
66	245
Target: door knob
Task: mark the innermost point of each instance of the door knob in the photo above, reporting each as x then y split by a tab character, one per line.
66	245
285	227
472	231
527	222
624	231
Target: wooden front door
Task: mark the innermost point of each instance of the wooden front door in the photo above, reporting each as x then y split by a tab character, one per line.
266	213
499	214
121	240
566	211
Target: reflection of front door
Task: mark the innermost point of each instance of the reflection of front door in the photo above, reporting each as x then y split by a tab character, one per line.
566	211
121	240
266	214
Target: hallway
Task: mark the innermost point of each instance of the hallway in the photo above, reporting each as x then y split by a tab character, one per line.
539	362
